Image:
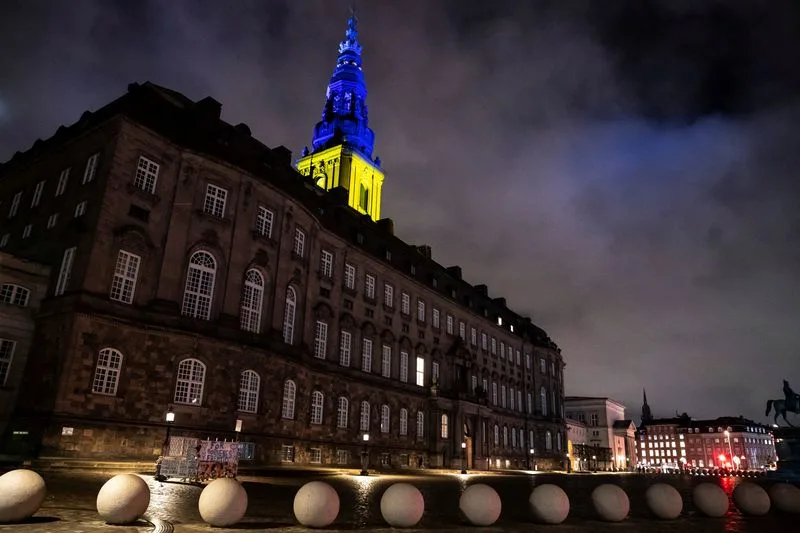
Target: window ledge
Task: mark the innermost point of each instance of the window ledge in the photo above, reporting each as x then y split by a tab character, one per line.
149	197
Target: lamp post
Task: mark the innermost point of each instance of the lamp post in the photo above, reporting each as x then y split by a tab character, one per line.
365	456
530	458
169	418
730	448
463	457
238	428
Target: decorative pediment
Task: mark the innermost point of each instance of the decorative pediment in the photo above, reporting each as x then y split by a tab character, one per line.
347	321
368	329
134	237
405	343
459	349
387	335
261	258
421	348
323	311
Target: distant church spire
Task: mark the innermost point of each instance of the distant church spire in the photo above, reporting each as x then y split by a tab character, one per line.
345	115
647	416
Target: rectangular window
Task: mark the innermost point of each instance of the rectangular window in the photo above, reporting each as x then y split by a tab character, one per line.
320	339
519	400
264	221
349	276
91	168
26	231
503	395
494	346
80	209
449	324
405	303
388	295
146	175
462	330
214	203
420	372
315	455
386	361
519	362
435	371
4	240
65	271
12	211
345	341
528	361
287	454
494	393
37	194
299	245
326	264
6	357
484	341
473	336
342	457
420	310
485	384
474	383
511	399
52	220
542	366
404	367
126	272
63	178
435	318
366	355
445	431
502	350
369	286
530	403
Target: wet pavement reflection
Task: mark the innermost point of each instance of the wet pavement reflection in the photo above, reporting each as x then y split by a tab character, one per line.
271	499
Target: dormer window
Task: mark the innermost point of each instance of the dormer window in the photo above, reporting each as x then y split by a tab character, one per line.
388	255
435	283
499	321
512	327
360	238
413	270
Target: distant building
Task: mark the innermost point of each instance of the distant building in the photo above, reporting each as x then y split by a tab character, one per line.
22	286
577	447
725	442
608	431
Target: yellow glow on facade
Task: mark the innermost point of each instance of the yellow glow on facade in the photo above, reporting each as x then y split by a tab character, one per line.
340	166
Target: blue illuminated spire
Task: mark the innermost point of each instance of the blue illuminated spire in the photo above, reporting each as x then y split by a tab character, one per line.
344	118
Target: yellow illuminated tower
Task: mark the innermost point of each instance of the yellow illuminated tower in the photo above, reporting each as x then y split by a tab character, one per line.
342	145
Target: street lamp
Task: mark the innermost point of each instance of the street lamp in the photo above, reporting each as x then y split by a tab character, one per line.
238	428
463	457
365	455
169	418
530	458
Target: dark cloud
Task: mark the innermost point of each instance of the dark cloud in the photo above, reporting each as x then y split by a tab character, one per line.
625	174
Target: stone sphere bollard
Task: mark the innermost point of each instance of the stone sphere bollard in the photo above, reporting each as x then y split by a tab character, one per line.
480	504
664	501
751	499
549	504
785	498
611	502
402	505
316	504
21	494
223	502
710	500
123	499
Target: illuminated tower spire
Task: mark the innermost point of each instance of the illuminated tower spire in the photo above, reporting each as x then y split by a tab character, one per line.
344	117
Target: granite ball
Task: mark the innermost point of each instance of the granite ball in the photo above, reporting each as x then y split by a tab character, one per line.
664	501
223	502
751	499
21	494
480	504
710	500
402	505
123	499
611	502
316	504
785	498
549	504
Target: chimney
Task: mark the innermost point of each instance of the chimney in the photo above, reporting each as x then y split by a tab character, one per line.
483	289
209	108
500	301
338	195
387	225
283	154
424	250
454	271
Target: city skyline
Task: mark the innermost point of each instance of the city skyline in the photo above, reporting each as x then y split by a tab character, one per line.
680	282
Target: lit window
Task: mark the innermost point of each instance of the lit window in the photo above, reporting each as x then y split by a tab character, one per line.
146	175
106	375
249	386
403	422
189	385
126	272
252	300
386	361
326	264
199	291
445	428
420	371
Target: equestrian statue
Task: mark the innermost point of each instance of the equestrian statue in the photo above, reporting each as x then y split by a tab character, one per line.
789	404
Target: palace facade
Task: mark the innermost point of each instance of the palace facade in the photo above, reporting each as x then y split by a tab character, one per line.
198	272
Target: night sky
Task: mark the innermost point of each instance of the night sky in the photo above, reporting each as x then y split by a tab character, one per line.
624	172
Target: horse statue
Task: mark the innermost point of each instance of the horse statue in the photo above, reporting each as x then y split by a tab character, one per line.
789	404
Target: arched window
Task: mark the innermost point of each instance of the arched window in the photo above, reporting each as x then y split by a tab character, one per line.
558	441
445	428
14	294
317	400
199	291
420	424
403	421
289	390
189	386
531	440
384	419
342	413
252	299
548	440
249	385
106	375
543	398
513	437
288	315
505	436
496	435
364	426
